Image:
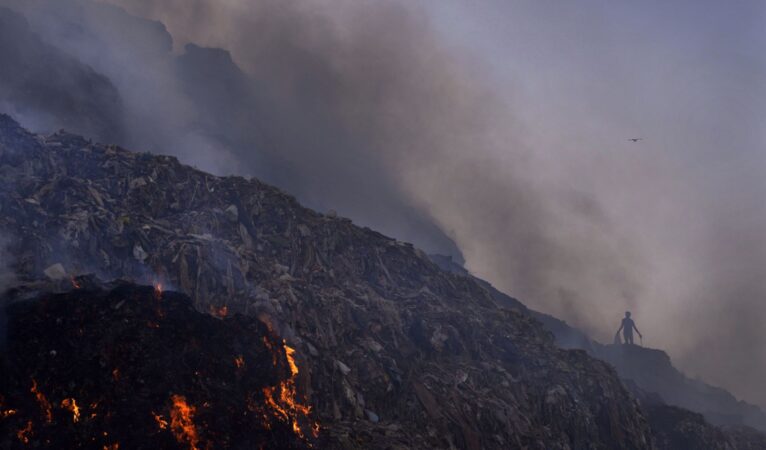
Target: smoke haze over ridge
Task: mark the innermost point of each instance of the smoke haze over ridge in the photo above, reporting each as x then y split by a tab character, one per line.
503	128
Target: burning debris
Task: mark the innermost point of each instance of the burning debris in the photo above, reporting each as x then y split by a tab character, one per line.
70	404
354	330
284	400
121	383
45	406
182	422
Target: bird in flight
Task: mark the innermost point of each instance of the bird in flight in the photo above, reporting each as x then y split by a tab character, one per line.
636	139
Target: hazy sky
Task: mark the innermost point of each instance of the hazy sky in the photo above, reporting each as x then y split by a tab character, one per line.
690	200
502	124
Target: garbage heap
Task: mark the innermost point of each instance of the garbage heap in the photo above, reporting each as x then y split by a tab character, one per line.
392	352
125	366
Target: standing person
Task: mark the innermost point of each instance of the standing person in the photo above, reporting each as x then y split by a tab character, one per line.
627	326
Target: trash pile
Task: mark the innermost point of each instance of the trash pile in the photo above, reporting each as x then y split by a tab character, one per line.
389	350
683	413
134	367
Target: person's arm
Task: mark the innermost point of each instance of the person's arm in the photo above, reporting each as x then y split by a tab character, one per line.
620	329
636	328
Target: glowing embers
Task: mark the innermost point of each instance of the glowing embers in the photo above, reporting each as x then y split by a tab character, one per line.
161	422
5	413
24	434
45	405
197	383
220	312
284	402
182	422
71	405
158	310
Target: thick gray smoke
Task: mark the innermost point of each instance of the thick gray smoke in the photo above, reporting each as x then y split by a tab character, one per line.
690	78
308	114
503	129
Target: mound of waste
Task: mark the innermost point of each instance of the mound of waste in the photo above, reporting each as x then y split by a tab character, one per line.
653	371
134	367
393	352
398	353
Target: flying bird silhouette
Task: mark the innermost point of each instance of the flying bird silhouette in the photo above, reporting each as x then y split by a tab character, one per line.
636	139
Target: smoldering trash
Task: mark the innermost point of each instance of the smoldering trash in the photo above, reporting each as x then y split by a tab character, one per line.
237	318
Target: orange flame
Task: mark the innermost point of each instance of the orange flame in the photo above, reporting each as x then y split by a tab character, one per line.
158	290
44	404
283	399
161	422
182	422
239	361
114	446
71	405
290	353
5	413
23	434
75	284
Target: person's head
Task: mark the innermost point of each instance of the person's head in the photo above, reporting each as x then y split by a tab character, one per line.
627	314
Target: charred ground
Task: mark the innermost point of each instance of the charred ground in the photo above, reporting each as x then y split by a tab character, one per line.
125	366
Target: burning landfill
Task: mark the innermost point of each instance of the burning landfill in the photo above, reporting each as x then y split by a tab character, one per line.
100	367
262	324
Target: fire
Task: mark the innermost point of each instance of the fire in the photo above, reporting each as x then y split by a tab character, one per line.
283	399
239	361
44	404
116	374
114	446
75	283
182	422
5	413
157	296
220	312
161	422
93	407
71	405
290	352
23	434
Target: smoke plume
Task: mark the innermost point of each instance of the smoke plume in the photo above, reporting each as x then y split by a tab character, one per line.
502	129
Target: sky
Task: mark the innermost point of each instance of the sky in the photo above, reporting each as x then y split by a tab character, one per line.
496	131
688	200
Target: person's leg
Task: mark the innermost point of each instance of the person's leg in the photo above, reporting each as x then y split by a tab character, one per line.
629	338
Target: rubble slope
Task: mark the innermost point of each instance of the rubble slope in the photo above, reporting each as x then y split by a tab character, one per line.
683	413
653	371
400	354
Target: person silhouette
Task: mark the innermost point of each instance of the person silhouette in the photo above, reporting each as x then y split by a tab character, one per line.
627	326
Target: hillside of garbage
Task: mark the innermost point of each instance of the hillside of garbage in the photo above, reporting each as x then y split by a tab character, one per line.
380	346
